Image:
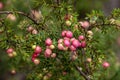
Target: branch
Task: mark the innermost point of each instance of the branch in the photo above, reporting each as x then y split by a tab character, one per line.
20	13
82	73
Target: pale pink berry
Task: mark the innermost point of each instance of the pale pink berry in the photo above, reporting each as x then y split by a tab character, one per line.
63	34
67	43
83	44
10	50
69	34
106	64
72	39
53	55
30	29
60	47
81	37
86	24
48	53
36	61
34	31
38	49
76	43
72	48
48	42
60	41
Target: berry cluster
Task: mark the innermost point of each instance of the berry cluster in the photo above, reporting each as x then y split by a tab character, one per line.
69	42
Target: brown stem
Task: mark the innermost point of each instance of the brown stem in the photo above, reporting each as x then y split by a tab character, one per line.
82	73
20	13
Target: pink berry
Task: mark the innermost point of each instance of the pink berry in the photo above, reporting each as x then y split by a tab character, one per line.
76	43
60	41
53	55
106	64
63	33
72	48
72	39
35	55
34	31
48	53
83	44
86	24
30	29
81	37
48	42
60	47
1	5
10	50
36	61
38	50
66	43
69	34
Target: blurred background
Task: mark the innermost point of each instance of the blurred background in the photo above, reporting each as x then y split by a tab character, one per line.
81	6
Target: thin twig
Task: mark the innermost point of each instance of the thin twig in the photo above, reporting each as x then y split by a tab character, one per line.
82	73
20	13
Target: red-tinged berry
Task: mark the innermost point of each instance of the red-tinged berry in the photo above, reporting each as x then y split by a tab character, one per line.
48	53
63	34
69	34
81	37
38	50
10	50
83	44
48	42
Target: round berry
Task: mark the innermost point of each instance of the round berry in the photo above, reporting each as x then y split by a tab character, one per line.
48	42
69	34
48	53
38	49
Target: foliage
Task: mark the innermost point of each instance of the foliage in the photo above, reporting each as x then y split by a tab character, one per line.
49	19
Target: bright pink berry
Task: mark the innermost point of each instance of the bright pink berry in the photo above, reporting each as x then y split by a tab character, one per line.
83	44
81	37
38	50
72	39
48	53
72	48
76	43
66	43
106	64
48	42
10	50
63	33
69	34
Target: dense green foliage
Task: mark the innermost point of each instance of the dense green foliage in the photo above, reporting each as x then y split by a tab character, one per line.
48	19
